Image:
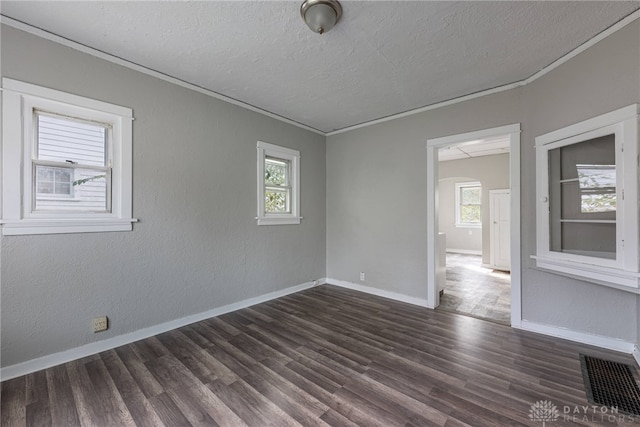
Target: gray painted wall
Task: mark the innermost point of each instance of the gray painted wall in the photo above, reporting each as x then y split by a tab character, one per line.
601	79
197	246
387	236
493	174
377	192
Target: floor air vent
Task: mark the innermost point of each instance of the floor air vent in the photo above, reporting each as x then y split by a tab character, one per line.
611	384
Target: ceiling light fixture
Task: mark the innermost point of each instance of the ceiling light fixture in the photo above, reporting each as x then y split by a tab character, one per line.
321	15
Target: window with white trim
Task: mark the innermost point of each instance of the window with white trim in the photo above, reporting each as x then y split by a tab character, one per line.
587	189
468	204
278	185
66	162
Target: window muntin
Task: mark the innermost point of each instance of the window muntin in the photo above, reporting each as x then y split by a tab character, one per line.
278	185
77	150
468	204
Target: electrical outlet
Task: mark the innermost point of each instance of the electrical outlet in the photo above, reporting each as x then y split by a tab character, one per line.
361	276
100	324
316	282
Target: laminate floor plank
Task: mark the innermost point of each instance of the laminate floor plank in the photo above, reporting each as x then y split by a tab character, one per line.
138	371
323	356
139	407
13	401
37	400
61	402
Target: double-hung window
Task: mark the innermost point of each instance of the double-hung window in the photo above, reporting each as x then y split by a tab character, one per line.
66	162
278	185
468	204
587	189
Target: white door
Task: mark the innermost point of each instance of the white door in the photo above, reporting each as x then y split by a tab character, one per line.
499	201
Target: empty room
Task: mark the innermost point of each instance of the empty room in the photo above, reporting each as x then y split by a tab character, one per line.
298	213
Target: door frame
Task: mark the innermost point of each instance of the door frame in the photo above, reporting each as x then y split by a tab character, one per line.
433	145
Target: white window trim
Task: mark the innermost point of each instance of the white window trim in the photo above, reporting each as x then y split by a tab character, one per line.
458	186
18	100
293	156
623	272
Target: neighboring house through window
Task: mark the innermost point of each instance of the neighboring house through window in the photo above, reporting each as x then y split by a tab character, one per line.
66	162
278	185
468	204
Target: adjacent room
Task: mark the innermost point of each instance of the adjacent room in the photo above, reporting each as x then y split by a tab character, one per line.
474	229
388	213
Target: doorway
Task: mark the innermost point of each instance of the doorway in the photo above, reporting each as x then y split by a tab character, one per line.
511	215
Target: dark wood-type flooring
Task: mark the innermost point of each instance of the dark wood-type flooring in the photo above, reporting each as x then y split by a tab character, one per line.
325	356
475	290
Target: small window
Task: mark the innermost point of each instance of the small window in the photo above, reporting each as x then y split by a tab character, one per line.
67	162
587	189
278	185
468	204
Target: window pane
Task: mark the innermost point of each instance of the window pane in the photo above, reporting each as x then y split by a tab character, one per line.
84	191
470	195
276	171
275	200
470	214
62	139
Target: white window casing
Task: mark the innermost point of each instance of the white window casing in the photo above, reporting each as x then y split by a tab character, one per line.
289	161
23	105
598	242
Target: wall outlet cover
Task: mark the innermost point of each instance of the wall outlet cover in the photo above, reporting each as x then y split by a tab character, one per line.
100	324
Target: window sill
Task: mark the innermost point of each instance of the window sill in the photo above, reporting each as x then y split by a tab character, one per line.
468	226
265	220
64	226
610	277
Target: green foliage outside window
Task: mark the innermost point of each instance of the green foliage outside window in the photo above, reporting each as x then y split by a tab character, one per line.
276	185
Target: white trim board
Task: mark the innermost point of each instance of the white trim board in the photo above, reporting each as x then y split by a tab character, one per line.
378	292
579	337
65	356
636	354
91	51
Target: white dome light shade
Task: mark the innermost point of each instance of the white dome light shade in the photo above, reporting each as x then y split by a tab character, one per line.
321	15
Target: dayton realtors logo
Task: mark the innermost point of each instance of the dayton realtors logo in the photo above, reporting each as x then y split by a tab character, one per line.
545	411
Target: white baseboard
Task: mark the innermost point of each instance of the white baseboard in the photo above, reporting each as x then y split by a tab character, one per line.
50	360
581	337
378	292
464	251
636	353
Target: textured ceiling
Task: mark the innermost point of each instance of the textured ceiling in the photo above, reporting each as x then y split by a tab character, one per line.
382	58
